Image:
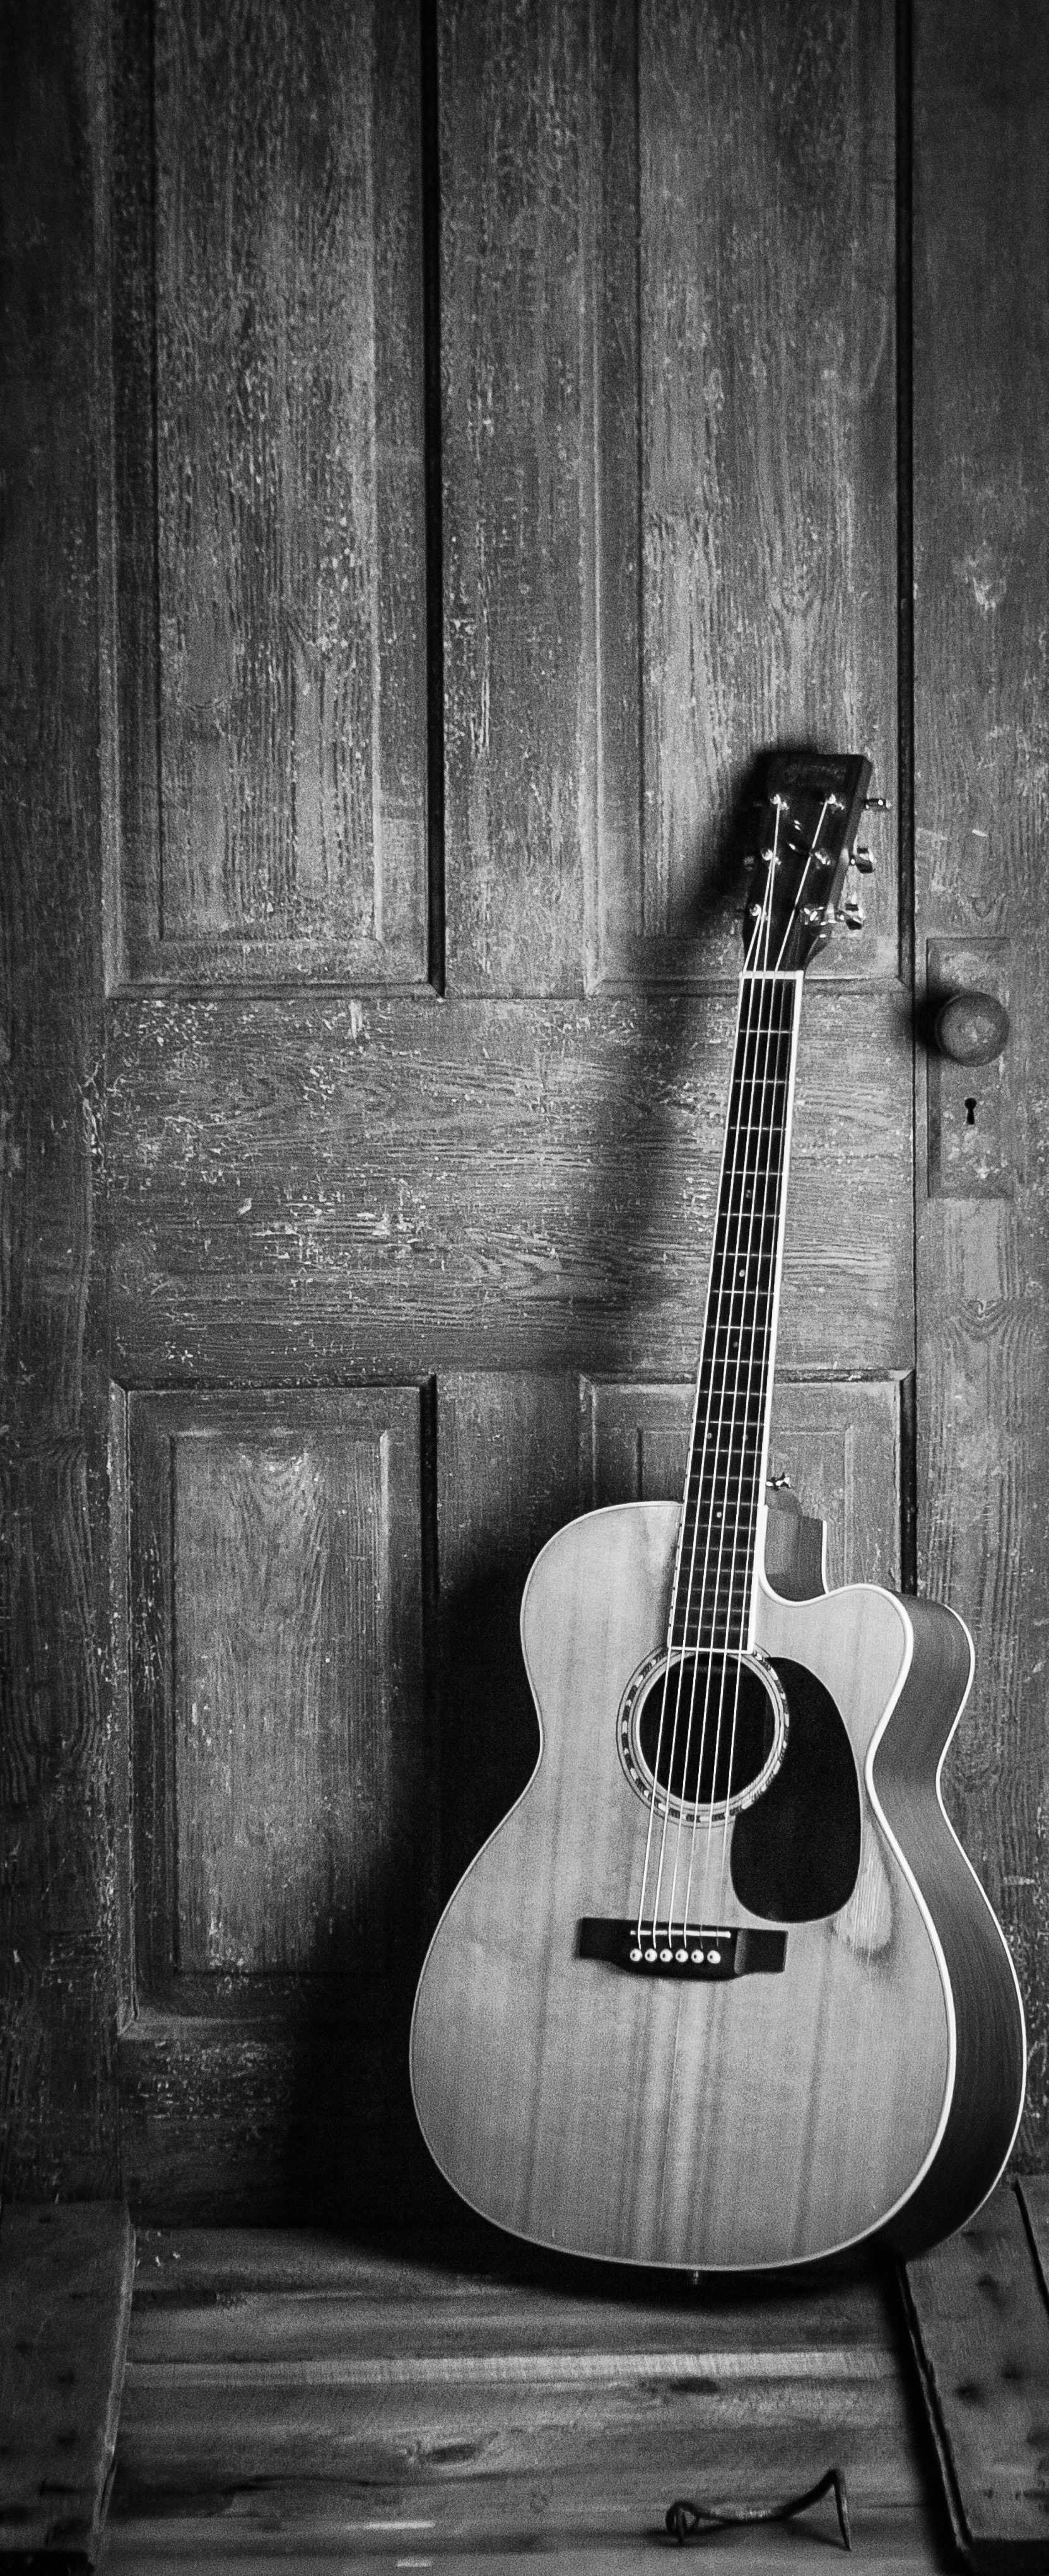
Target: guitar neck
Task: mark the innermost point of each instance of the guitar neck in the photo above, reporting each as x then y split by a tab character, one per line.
728	1451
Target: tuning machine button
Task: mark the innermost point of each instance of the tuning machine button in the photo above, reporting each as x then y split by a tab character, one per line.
863	859
851	912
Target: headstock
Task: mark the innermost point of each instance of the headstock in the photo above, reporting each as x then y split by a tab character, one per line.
801	841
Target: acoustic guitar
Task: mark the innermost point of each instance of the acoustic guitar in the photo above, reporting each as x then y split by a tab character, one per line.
722	1991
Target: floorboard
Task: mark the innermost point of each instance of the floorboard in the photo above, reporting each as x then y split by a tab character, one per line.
980	2324
65	2302
291	2401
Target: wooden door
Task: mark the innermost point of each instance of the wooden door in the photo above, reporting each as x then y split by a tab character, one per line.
503	431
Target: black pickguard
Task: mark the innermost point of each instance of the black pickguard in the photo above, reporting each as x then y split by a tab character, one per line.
796	1851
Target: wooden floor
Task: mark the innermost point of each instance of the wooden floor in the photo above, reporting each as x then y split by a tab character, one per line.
290	2402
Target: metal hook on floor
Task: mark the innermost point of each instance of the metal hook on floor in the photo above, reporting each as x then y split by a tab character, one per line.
688	2521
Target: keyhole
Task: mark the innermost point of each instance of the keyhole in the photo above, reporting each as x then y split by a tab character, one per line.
970	1113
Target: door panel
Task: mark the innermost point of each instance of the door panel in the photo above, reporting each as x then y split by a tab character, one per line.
345	1188
838	1446
275	154
279	1739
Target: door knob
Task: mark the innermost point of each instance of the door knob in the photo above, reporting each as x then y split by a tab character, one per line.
972	1028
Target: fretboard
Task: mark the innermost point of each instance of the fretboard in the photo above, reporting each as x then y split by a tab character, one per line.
715	1566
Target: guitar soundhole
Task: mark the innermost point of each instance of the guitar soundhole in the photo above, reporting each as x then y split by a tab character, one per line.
708	1732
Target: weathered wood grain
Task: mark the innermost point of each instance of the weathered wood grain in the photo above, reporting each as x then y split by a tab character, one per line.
766	282
511	1468
343	1188
58	1944
284	1838
517	148
288	589
485	2412
981	307
838	1444
978	2318
146	1578
66	2278
235	2295
277	1683
666	500
269	2110
905	2538
284	1608
1033	2191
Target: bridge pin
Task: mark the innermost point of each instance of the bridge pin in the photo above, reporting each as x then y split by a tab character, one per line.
681	1955
697	1957
666	1954
714	1958
635	1955
650	1954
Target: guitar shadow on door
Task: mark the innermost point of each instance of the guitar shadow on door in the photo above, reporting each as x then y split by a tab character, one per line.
514	1462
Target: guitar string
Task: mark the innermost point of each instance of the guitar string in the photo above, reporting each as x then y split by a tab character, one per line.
752	1168
675	1594
677	1582
690	1664
769	1327
751	1161
711	1464
746	1521
771	1069
751	1036
762	931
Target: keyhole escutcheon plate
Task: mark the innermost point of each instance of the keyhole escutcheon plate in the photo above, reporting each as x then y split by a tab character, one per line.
970	1106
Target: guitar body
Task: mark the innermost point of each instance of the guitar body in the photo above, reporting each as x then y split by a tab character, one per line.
872	2079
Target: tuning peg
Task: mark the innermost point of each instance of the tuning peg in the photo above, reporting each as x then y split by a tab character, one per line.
851	912
876	805
863	859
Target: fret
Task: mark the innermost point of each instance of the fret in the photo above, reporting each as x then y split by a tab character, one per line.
746	1204
704	1598
716	1516
731	1633
698	1624
710	1539
737	1445
749	1193
714	1491
735	1335
718	1392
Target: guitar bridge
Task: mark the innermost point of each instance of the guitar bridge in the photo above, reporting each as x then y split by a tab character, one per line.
705	1952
